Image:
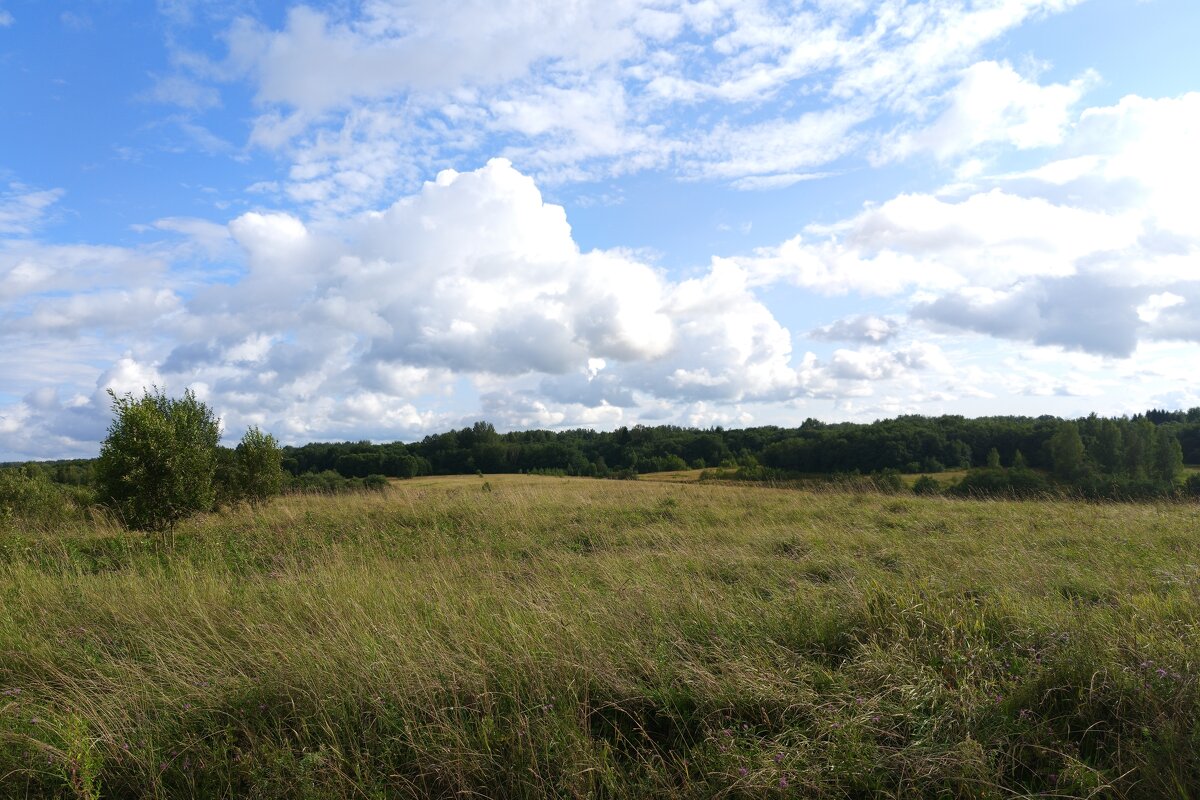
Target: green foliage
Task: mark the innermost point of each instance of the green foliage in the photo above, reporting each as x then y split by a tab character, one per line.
1000	482
330	482
1167	462
259	466
1066	452
1137	441
889	480
910	443
27	494
159	460
1109	451
926	485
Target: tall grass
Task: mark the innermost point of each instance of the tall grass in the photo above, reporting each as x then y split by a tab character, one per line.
576	638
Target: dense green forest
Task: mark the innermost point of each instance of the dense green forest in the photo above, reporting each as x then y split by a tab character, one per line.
1138	456
1134	456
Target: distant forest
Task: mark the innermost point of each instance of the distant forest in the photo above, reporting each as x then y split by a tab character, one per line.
1134	456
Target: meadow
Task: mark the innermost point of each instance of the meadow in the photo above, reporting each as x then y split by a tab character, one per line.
522	636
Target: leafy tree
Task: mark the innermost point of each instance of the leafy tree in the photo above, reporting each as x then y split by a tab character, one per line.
1109	453
157	464
993	458
1019	461
1066	451
1166	464
259	467
1138	439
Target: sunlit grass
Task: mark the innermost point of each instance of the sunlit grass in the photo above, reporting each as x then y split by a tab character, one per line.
525	637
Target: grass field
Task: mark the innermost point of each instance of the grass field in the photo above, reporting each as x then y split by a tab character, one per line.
529	637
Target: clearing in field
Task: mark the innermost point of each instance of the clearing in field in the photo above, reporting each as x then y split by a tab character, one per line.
527	637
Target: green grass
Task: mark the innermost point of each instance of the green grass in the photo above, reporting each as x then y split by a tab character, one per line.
531	637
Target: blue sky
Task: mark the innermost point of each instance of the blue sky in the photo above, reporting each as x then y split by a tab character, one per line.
382	219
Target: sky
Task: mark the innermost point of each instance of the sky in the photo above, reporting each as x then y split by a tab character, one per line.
388	218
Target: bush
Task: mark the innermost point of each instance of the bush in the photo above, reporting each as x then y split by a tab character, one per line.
259	466
330	482
158	462
926	485
26	494
1000	482
888	481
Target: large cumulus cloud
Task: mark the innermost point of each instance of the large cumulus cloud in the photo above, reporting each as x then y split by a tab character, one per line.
387	323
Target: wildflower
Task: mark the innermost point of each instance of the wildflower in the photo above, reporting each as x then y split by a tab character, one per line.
743	772
783	782
779	758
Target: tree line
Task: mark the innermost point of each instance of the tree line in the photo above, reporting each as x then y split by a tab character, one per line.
162	459
1143	447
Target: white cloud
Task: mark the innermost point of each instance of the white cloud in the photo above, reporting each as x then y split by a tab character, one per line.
921	241
23	209
6	19
775	148
755	183
863	328
316	64
366	101
992	104
1096	250
361	323
1156	304
182	91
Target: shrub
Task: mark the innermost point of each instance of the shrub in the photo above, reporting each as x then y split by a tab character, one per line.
158	462
259	466
26	493
330	482
926	485
1000	482
1192	485
889	481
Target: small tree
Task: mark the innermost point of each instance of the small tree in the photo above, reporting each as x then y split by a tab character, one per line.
259	467
156	466
993	459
